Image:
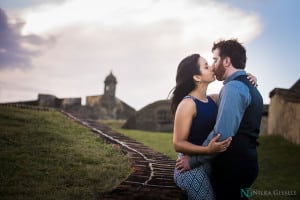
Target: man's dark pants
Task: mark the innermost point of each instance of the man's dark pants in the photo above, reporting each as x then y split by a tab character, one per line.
234	171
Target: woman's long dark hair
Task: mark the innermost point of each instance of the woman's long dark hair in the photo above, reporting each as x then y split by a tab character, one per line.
187	68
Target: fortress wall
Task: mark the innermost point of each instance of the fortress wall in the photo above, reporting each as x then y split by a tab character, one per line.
93	100
284	118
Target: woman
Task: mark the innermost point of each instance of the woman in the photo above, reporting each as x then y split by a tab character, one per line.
195	115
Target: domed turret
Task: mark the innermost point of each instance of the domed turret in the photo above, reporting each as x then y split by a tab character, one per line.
110	86
110	79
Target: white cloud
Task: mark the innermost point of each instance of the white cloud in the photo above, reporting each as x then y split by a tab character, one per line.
141	41
200	20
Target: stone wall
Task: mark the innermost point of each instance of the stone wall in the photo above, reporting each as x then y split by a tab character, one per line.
264	121
97	108
153	117
47	100
284	118
93	100
264	126
69	102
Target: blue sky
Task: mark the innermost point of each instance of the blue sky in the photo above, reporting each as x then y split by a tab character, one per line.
68	47
274	52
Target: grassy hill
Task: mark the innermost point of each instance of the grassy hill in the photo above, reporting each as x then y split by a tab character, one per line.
44	155
278	160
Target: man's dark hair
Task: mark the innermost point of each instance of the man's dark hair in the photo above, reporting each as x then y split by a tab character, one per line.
234	50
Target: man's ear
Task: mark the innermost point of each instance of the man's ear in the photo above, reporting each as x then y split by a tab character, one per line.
197	78
227	61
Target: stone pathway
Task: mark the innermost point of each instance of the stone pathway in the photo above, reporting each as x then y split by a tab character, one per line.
152	176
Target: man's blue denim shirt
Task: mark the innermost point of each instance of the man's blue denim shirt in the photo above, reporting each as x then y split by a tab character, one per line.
234	98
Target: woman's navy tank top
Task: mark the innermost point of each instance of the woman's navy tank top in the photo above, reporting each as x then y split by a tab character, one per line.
204	121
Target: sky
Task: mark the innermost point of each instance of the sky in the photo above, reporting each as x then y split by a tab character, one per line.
67	47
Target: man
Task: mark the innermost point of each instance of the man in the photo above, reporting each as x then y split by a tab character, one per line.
239	117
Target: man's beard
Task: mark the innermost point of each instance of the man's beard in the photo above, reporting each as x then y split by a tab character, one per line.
220	72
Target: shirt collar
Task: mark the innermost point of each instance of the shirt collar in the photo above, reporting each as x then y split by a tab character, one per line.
234	75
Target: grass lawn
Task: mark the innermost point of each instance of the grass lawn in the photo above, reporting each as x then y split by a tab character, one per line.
278	159
279	168
44	155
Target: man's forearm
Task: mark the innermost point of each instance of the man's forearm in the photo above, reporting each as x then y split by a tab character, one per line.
197	160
